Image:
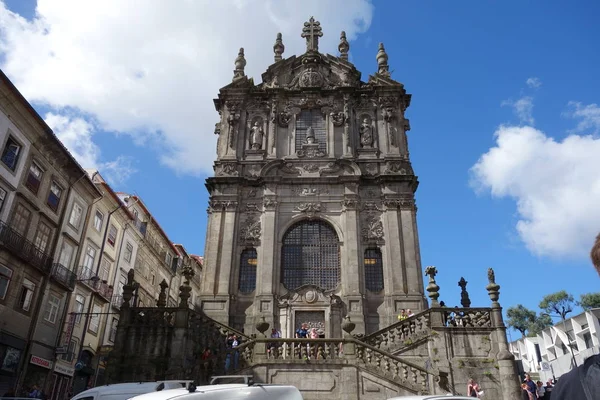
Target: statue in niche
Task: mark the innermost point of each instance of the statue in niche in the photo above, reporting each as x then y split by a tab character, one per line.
366	133
310	135
256	137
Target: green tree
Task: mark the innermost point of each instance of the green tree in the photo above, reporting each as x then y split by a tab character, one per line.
558	304
588	301
520	318
542	322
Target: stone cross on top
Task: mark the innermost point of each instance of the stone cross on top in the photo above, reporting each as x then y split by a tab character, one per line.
312	32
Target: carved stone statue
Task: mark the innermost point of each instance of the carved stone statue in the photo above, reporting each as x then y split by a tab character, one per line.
366	133
310	135
256	137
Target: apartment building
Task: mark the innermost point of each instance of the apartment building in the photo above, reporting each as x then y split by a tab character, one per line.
44	197
557	349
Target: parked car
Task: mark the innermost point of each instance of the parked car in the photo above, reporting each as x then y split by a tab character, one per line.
433	397
124	391
227	391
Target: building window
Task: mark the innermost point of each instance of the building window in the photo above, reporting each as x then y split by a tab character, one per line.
75	217
152	278
98	219
168	259
587	337
70	354
26	297
113	330
88	262
2	198
52	309
104	270
20	221
5	277
373	270
34	178
314	119
310	256
66	254
248	262
128	252
11	153
42	236
79	306
54	196
112	235
95	318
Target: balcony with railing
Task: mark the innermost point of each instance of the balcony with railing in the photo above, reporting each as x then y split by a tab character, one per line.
89	277
104	290
63	276
23	248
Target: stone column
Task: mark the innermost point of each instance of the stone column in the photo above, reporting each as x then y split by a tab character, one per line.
227	249
394	266
412	261
351	277
211	251
265	273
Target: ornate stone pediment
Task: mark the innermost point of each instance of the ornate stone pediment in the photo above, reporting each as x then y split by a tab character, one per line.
309	294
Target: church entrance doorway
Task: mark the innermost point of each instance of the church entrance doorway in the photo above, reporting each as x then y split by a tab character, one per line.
313	319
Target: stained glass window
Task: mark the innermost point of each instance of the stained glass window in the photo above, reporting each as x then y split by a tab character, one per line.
373	270
310	256
248	264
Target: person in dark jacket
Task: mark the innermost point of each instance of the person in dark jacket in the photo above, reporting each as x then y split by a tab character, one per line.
583	382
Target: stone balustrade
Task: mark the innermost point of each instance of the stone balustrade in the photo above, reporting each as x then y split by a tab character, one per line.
402	333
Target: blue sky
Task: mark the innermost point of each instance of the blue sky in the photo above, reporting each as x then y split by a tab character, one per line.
525	71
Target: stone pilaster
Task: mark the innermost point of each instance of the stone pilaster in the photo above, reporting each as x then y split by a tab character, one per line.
351	275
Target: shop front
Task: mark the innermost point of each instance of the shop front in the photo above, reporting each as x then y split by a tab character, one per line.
62	381
84	373
37	374
11	352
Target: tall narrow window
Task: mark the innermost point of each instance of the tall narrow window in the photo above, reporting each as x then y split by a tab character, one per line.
310	256
79	305
112	235
95	318
26	297
2	198
128	252
20	221
373	270
52	309
42	236
54	196
248	264
105	270
98	219
314	119
11	153
75	217
34	178
5	277
88	263
66	254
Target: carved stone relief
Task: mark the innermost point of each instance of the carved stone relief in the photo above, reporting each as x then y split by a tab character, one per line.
253	171
369	169
269	204
250	230
309	191
372	228
289	169
310	167
310	209
222	205
310	152
404	202
227	169
393	167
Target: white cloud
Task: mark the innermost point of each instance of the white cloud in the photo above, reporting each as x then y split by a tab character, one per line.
533	82
556	186
523	109
151	68
588	115
76	134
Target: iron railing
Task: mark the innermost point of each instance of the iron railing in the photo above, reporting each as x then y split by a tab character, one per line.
104	290
63	275
23	248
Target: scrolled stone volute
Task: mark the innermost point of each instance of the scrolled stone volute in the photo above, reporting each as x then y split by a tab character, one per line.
262	325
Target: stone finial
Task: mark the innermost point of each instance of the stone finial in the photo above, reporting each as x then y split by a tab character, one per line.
188	273
348	326
493	288
595	254
185	289
312	32
128	289
162	296
344	46
262	325
464	295
240	64
278	48
382	61
432	287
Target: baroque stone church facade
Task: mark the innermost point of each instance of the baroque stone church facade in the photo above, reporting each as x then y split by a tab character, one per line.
312	214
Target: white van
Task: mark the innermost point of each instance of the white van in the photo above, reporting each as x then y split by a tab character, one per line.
124	391
228	392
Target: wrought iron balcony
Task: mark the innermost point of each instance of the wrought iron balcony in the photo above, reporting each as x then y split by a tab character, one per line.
23	248
89	277
63	275
104	290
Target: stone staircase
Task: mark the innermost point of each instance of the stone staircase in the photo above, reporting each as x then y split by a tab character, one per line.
402	334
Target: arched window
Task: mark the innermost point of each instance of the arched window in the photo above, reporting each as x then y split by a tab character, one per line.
373	270
310	256
248	262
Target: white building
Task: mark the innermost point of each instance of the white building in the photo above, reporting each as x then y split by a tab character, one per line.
549	354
